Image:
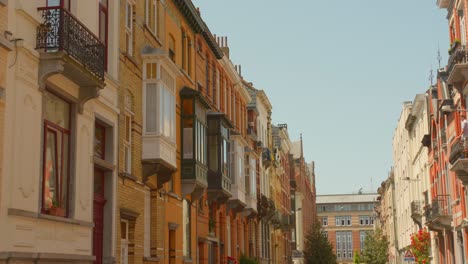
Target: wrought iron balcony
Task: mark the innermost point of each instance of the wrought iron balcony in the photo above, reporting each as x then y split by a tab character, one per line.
68	47
266	157
61	31
457	66
438	215
459	161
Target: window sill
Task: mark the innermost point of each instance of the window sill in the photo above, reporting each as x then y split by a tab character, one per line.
187	260
152	259
173	195
130	58
29	214
188	76
103	164
128	176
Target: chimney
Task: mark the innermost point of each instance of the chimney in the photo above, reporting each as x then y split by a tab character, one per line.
224	46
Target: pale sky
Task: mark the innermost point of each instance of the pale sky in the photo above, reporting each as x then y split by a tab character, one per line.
336	71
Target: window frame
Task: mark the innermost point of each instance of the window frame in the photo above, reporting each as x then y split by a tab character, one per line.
55	128
152	6
129	6
104	9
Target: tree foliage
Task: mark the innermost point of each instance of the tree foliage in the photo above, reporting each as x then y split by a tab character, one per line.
357	257
375	248
317	247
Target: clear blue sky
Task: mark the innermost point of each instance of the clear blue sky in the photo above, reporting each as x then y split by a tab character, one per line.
336	71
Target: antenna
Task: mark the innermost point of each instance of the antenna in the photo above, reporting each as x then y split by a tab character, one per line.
431	76
439	57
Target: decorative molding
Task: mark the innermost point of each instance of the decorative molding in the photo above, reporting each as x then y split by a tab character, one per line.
10	255
3	2
173	226
29	214
128	214
103	164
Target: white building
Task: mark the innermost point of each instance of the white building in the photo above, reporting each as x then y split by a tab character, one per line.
61	106
411	174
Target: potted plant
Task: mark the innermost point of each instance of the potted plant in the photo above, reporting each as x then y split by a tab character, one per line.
56	210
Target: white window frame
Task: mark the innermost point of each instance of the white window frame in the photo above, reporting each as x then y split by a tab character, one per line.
128	144
124	243
153	28
129	27
325	221
163	92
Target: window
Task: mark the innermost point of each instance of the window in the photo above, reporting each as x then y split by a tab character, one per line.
366	220
184	50
207	74
56	155
103	28
325	221
100	141
344	245
124	239
343	220
214	94
151	16
129	28
187	230
160	109
189	56
362	238
172	50
128	116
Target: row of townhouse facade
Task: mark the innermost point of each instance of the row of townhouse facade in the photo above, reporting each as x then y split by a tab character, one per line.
427	184
129	136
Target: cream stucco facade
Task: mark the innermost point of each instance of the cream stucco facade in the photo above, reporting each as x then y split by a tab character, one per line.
35	234
411	172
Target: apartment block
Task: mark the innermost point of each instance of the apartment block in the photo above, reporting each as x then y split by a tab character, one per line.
346	220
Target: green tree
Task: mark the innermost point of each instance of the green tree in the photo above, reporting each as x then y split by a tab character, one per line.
357	257
317	247
375	248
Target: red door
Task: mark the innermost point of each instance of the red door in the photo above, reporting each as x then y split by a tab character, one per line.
98	214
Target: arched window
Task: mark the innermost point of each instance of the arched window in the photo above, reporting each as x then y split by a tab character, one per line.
172	50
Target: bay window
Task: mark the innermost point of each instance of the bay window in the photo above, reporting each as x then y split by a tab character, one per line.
194	153
159	105
56	155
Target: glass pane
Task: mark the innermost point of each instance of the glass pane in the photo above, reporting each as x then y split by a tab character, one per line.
151	107
99	141
127	128
98	181
187	106
123	230
102	26
53	2
188	139
65	172
57	110
50	170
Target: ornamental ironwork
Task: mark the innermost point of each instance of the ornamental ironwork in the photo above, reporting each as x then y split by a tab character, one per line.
63	32
458	55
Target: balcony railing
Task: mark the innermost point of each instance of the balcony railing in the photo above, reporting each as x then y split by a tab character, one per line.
456	151
63	32
458	55
416	208
440	208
